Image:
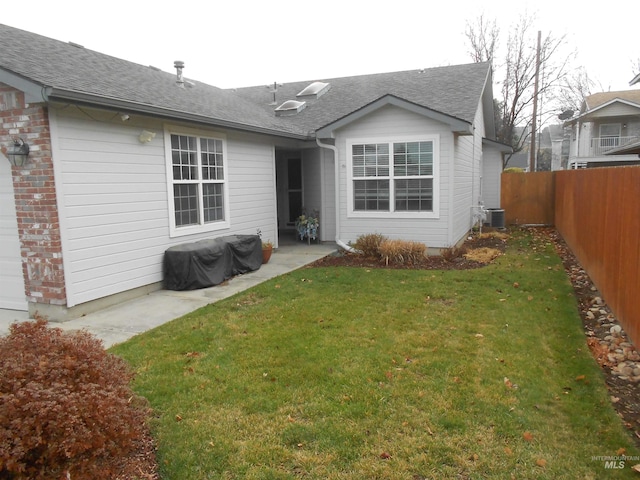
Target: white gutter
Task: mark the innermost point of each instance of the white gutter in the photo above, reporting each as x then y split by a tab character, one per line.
50	94
336	169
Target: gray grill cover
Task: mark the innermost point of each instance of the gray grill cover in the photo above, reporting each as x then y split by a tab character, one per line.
210	262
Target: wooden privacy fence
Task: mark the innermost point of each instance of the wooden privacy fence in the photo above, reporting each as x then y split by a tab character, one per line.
597	212
530	198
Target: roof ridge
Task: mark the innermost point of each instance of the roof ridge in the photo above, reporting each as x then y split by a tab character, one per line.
368	75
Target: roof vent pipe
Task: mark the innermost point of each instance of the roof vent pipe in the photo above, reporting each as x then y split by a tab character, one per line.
179	65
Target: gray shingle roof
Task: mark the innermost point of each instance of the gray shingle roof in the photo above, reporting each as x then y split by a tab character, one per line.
454	90
75	73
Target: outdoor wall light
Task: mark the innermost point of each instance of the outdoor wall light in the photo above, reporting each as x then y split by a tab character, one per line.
18	152
146	136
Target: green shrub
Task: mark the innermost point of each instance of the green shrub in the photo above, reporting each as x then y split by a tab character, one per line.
369	244
66	408
402	251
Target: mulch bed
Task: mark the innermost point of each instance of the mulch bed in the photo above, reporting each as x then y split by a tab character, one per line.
454	259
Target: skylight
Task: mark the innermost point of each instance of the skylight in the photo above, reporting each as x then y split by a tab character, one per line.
290	107
315	90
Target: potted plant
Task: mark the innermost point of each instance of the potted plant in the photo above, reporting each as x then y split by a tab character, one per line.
267	249
307	226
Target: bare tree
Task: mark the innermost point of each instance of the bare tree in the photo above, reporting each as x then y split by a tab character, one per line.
483	39
575	88
516	76
635	68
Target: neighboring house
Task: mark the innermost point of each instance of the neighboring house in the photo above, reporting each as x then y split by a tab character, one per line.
552	150
608	124
522	136
127	161
559	146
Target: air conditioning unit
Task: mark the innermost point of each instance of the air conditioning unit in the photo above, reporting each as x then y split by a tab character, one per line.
495	217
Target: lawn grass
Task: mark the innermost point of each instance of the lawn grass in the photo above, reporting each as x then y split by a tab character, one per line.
350	373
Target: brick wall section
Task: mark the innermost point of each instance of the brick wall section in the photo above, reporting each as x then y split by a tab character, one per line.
35	196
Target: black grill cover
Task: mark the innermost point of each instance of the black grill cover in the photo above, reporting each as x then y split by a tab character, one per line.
210	262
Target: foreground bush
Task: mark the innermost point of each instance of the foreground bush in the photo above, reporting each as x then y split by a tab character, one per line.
402	251
453	253
369	244
66	409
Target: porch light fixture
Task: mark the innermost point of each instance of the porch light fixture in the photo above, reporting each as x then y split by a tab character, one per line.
18	152
146	136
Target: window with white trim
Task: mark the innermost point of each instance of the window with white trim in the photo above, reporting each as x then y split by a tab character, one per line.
393	177
196	170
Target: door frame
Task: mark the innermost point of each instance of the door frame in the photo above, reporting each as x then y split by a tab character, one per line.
283	159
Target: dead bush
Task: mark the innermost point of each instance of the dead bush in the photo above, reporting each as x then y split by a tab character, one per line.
501	235
67	410
402	251
369	244
451	254
482	255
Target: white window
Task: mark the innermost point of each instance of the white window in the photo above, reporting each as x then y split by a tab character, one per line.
393	178
197	182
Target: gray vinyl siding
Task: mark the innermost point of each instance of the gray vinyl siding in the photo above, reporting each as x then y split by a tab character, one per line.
491	171
615	109
252	185
328	212
463	183
467	179
113	199
319	191
393	121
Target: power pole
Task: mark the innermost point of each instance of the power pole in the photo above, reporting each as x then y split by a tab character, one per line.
532	149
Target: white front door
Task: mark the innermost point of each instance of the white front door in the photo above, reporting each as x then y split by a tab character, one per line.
11	281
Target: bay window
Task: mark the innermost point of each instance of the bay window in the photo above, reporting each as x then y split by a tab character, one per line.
393	178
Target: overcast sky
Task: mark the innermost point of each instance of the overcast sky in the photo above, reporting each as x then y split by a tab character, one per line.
243	43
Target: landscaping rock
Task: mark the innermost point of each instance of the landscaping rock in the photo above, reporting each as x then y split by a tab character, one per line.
621	366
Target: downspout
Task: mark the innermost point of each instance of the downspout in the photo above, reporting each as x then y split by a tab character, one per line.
575	164
473	175
478	213
336	169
